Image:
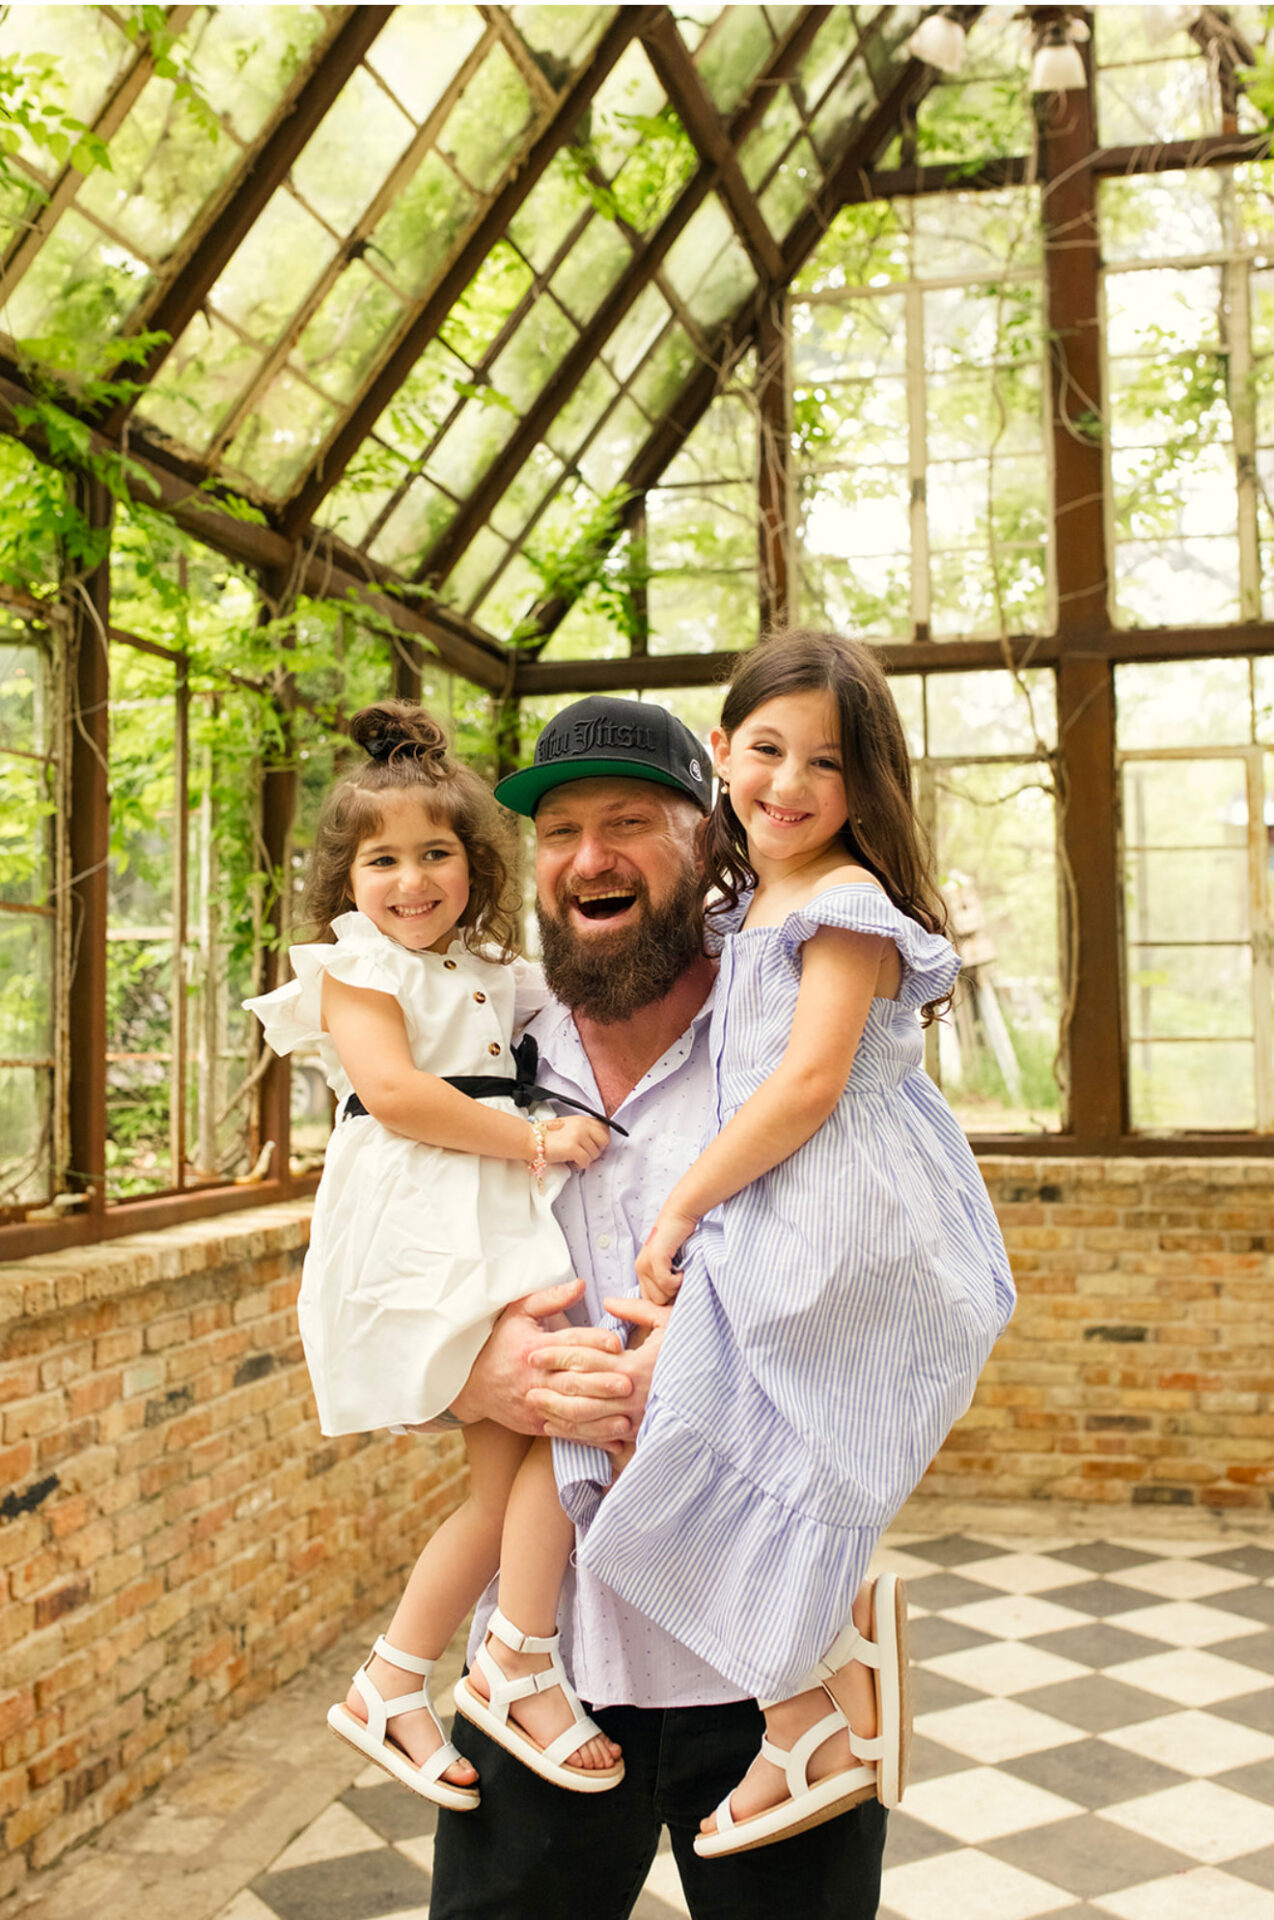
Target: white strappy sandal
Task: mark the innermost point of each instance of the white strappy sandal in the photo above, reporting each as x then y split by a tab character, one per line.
806	1806
886	1755
493	1715
372	1739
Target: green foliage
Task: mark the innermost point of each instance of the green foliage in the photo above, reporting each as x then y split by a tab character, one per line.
28	84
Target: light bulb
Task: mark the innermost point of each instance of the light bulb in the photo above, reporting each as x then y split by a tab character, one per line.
1057	69
939	42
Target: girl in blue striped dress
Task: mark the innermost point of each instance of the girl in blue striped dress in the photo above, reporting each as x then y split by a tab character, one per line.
844	1274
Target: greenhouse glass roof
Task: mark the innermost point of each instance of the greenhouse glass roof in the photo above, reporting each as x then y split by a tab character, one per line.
422	280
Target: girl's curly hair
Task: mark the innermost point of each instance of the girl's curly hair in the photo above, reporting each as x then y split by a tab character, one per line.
408	753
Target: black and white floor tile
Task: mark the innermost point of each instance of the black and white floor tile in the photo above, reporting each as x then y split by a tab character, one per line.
1094	1736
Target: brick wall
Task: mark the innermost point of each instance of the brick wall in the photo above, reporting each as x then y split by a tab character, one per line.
1139	1366
176	1537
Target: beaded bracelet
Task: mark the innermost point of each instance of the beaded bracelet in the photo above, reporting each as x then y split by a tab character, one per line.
537	1166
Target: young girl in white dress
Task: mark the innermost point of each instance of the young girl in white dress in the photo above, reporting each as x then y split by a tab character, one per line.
433	1214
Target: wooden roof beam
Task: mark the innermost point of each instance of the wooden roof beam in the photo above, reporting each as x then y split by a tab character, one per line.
327	571
679	77
252	189
636	278
911	83
429	316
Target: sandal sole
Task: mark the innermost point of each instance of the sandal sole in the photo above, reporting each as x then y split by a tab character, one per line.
707	1847
397	1765
892	1679
523	1748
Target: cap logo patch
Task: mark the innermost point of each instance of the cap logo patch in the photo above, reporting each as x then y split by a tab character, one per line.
587	737
696	771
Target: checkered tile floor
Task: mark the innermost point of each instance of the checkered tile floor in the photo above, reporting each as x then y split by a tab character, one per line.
1094	1735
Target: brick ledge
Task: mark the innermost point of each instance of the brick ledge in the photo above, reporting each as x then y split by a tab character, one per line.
52	1282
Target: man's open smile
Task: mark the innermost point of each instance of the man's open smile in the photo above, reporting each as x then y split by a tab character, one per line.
610	904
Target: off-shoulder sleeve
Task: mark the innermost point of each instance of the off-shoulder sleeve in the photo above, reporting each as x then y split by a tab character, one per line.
929	962
360	956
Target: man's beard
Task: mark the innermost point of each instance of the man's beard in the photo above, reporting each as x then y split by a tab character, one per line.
607	979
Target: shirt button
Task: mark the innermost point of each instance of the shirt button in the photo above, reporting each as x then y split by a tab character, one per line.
494	1047
481	999
450	965
604	1240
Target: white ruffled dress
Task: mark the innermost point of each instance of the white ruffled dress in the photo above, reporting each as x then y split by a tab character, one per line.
414	1250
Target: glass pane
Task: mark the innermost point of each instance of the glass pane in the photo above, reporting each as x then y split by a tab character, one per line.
1160	216
89	51
1189	992
25	714
1179	1086
199	382
983	713
1186	896
274	268
524	366
1183	704
664	372
164	168
26	1134
864	338
412	527
28	803
486	303
560	37
583	410
637	331
707	266
138	1066
429	212
358	141
712	527
26	986
851	514
702	612
791	190
245	57
1185	803
733	55
422	49
869	597
348	331
281	435
423	402
557	203
591	269
996	843
469	446
474	570
80	286
722	446
485	128
538	472
1163	310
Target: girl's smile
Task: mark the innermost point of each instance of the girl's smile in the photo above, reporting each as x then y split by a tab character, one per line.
784	768
411	876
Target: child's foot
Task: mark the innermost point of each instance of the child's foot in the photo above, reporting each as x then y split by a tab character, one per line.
764	1785
543	1716
416	1732
857	1690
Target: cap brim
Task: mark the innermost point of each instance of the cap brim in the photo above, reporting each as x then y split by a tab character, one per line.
522	792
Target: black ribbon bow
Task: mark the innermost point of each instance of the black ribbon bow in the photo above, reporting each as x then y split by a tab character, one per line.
522	1089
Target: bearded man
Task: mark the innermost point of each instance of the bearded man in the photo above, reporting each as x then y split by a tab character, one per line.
617	791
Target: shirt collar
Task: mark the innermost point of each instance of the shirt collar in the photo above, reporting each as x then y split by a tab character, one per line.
562	1050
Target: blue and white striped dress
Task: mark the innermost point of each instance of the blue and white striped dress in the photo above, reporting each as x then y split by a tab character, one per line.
831	1327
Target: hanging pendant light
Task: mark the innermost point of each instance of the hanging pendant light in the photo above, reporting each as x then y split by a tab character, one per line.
1058	64
939	42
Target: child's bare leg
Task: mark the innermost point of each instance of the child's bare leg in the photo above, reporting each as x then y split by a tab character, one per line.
449	1576
764	1786
536	1547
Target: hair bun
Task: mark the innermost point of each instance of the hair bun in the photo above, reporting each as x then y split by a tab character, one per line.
396	730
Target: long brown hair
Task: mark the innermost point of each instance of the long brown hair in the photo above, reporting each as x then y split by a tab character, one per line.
882	832
407	753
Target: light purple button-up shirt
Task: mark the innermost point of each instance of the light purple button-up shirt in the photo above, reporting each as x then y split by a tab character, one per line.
616	1656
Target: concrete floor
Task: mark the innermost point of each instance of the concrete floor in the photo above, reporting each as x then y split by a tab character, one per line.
1094	1696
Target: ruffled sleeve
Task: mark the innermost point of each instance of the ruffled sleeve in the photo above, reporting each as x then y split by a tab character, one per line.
929	962
360	955
530	993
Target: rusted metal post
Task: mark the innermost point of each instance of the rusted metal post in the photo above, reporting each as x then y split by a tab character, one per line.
774	483
1091	1040
89	841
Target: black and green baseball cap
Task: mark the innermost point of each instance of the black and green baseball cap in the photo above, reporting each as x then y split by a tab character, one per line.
602	736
